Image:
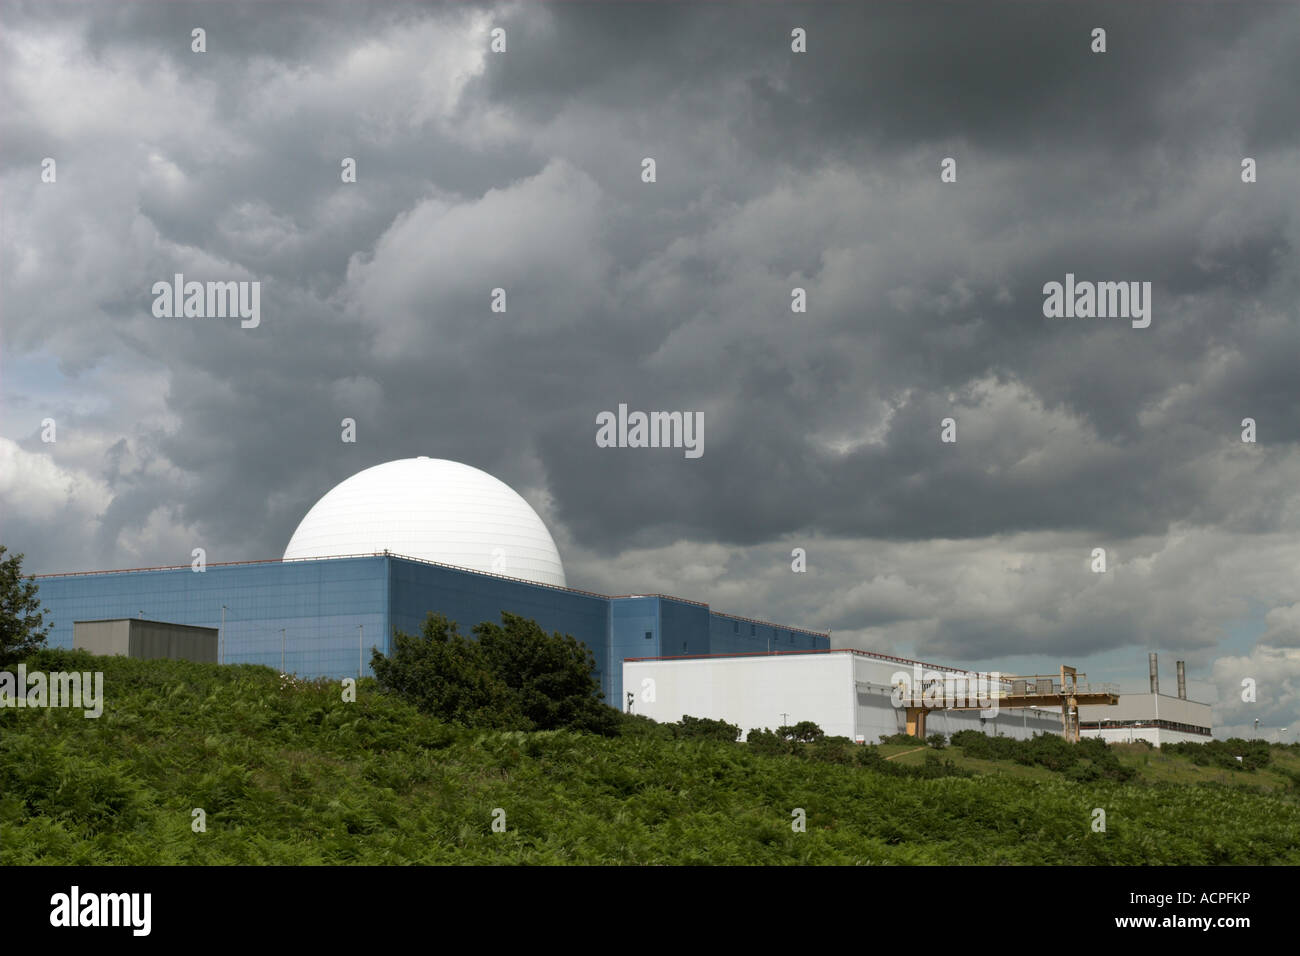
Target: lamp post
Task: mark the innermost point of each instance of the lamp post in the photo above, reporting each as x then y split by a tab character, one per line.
281	650
361	635
1256	734
222	641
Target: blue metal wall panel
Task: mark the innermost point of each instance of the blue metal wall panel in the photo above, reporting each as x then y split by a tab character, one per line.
733	635
319	604
685	628
416	589
630	619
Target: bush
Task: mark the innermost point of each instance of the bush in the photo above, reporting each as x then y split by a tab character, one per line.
936	741
932	767
515	676
1223	754
897	739
639	725
443	674
705	728
1083	773
764	741
984	747
1049	751
839	750
805	731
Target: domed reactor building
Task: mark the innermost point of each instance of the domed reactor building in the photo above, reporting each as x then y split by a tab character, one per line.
375	556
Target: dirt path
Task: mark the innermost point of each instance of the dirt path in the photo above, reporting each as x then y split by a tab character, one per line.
906	752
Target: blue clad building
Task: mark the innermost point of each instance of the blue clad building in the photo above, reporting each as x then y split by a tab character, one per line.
326	614
380	552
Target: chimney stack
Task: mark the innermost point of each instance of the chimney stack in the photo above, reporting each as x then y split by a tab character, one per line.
1182	680
1155	676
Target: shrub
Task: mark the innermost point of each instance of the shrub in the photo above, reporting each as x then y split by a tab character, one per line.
705	728
1049	751
839	750
897	739
805	731
639	725
515	676
1223	754
766	742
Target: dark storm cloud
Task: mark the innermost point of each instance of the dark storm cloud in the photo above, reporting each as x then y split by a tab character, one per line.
775	170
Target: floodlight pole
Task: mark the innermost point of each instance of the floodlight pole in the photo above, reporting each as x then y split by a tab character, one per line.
281	650
361	634
223	634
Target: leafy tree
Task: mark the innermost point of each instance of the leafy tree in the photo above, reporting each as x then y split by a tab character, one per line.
551	677
706	728
513	676
805	731
441	672
22	622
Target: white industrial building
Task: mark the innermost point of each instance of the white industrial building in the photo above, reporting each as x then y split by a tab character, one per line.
1154	717
846	692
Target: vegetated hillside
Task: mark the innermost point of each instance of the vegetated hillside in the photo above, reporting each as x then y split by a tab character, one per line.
290	773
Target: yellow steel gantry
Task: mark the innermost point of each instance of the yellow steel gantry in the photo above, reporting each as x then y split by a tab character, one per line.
1067	693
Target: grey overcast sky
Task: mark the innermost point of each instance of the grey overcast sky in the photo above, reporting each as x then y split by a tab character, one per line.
774	170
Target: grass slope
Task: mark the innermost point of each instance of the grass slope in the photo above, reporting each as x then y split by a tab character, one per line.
293	775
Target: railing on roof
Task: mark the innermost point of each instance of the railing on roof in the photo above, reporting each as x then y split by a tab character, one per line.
666	597
782	627
730	617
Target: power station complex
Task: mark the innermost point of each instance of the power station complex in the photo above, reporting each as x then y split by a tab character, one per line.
395	542
378	553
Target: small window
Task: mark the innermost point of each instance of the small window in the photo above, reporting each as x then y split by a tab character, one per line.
753	631
649	634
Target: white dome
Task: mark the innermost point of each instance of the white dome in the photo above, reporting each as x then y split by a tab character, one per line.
433	509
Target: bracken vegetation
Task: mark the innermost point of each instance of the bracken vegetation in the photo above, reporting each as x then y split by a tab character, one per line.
288	773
